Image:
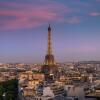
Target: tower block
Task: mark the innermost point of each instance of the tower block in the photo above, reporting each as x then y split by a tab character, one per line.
49	67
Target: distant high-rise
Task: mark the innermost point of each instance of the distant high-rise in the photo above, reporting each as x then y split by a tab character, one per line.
49	67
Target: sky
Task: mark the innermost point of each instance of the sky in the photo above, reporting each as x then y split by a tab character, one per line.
75	30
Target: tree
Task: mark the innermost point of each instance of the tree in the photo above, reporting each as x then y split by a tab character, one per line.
10	88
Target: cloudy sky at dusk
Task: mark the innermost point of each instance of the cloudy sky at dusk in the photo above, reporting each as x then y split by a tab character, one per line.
75	30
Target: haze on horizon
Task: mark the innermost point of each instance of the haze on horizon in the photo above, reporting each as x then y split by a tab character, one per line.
75	30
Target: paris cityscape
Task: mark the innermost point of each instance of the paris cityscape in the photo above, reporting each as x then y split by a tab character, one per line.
49	50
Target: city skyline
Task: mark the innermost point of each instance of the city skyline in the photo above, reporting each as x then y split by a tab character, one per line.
23	30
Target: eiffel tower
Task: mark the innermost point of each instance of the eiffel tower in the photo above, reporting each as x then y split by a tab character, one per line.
49	67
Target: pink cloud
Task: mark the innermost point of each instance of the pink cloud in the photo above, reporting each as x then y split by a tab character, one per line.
26	19
29	15
94	14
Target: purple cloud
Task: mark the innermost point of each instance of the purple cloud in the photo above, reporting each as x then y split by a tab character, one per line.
94	14
30	15
73	20
98	0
